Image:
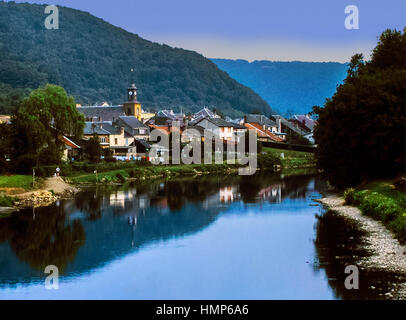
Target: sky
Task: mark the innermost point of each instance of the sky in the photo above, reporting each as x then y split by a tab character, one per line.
278	30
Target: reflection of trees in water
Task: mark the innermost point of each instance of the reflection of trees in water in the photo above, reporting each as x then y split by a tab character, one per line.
43	238
90	203
51	238
174	194
295	187
292	187
179	192
339	243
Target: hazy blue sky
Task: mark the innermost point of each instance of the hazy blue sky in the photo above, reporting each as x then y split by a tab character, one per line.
308	30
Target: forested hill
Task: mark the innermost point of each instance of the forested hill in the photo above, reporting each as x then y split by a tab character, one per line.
92	59
289	87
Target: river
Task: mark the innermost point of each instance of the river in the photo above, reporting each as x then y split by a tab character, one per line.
257	237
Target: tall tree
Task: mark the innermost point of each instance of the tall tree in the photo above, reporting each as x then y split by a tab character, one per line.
43	117
361	130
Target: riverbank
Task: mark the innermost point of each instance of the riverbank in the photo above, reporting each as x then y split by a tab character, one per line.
19	192
49	191
292	159
269	159
387	254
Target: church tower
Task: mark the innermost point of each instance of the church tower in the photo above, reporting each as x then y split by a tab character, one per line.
132	107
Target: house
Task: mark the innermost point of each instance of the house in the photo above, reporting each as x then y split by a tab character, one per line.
219	127
110	137
287	126
304	122
142	147
196	133
133	127
71	150
145	115
263	121
266	129
96	129
238	128
202	114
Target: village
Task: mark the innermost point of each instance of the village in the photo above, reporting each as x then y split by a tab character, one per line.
126	129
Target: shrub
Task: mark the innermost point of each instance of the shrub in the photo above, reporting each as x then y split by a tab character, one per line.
120	177
6	201
268	161
349	196
380	207
143	162
131	174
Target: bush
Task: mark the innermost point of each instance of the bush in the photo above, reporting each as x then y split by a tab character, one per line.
120	177
6	201
349	196
143	163
267	161
380	207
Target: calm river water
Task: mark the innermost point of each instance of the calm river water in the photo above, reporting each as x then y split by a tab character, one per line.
260	237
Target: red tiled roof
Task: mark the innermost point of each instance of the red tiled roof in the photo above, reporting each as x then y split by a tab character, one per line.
263	133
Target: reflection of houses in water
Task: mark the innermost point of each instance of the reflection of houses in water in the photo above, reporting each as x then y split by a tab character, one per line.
272	193
129	200
227	194
119	198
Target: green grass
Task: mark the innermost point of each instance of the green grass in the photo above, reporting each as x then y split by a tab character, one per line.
292	159
381	201
16	181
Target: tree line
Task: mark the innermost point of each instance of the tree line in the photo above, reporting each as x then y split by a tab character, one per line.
361	130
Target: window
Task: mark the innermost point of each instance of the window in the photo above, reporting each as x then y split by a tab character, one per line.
115	140
102	139
142	131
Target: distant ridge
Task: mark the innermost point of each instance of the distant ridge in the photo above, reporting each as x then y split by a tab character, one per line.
289	87
92	59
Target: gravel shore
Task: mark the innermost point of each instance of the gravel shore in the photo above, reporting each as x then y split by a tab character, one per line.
387	253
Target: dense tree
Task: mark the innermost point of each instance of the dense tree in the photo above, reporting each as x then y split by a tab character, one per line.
295	138
361	129
43	117
93	150
92	59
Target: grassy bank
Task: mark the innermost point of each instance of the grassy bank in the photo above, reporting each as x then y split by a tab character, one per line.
142	172
12	184
381	201
119	172
147	172
292	159
16	181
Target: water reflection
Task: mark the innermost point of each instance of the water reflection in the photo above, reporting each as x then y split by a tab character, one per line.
101	225
158	210
339	242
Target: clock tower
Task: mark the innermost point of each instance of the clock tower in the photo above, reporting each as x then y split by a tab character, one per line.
132	107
